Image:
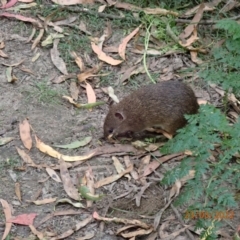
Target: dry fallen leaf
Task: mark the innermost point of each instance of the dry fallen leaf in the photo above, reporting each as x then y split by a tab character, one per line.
22	6
37	39
123	45
140	193
190	175
100	40
67	200
175	190
111	94
119	167
128	163
62	78
2	54
26	70
50	39
36	57
229	6
22	18
159	11
2	44
152	166
74	90
194	57
109	2
32	35
189	29
85	75
202	102
90	93
134	222
68	185
108	31
9	74
110	49
66	21
26	1
131	7
25	157
8	215
9	4
127	6
175	234
89	176
83	28
78	61
72	2
103	56
18	191
132	71
112	178
135	233
23	219
90	73
5	140
40	235
47	22
208	6
53	153
121	149
45	201
87	236
56	59
25	134
190	40
102	8
47	149
53	175
143	163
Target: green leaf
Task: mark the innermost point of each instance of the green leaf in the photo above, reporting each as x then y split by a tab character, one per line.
76	144
85	192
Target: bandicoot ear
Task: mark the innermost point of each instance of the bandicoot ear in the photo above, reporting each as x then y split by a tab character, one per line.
119	116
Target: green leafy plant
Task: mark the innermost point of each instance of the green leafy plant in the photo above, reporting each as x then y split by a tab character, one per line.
213	185
213	142
225	67
44	94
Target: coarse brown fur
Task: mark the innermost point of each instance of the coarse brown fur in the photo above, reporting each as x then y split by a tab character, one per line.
161	105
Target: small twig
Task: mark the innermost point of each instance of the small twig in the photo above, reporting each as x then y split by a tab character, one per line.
205	22
181	221
94	13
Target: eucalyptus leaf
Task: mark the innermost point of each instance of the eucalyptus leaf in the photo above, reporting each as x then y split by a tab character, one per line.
5	140
76	144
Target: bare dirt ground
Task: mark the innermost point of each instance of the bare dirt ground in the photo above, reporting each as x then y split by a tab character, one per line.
55	121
